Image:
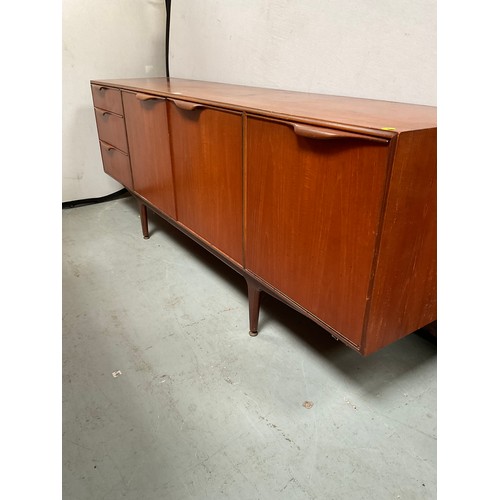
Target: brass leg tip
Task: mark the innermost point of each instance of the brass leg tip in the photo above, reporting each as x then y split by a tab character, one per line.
253	334
146	237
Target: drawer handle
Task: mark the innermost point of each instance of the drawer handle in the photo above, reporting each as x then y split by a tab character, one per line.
186	105
102	89
110	148
312	132
148	97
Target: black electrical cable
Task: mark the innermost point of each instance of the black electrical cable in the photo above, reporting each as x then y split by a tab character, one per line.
122	193
167	36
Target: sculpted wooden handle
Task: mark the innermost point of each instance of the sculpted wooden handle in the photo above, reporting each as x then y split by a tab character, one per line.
147	97
186	105
313	132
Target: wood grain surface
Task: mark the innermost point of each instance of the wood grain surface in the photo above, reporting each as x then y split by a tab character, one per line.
116	163
405	286
148	138
207	158
312	219
383	116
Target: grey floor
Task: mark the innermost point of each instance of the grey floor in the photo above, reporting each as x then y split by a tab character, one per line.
166	396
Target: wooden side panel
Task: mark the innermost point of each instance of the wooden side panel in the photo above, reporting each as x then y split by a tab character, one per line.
148	139
313	211
404	292
207	156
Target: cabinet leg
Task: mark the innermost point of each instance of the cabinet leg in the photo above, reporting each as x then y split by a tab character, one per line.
144	220
254	306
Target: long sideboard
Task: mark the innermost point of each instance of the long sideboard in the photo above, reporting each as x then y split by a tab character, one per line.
327	203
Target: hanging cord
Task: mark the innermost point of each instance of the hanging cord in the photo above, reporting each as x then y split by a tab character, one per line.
167	36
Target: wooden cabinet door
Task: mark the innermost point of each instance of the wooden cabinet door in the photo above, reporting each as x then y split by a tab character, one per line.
149	149
314	203
207	159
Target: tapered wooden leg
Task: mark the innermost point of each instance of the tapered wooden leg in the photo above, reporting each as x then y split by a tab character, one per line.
144	220
253	306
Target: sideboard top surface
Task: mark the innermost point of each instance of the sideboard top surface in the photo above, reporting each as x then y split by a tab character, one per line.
384	116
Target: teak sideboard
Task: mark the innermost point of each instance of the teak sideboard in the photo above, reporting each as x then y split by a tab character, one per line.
327	203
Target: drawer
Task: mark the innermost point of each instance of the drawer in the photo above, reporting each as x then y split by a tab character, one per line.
107	98
116	163
111	129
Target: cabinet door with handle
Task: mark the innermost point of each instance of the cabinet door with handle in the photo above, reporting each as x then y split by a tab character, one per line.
207	160
148	139
314	200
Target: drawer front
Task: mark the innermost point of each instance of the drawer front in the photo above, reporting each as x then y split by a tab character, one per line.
111	129
314	203
116	164
107	98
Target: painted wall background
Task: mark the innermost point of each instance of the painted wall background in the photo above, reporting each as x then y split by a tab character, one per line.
111	39
381	50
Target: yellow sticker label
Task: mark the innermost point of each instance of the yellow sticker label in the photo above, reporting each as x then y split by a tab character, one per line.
388	128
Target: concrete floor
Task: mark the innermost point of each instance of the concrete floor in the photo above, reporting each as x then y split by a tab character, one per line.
166	396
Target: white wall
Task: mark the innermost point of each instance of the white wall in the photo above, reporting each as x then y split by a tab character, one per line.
102	39
384	49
